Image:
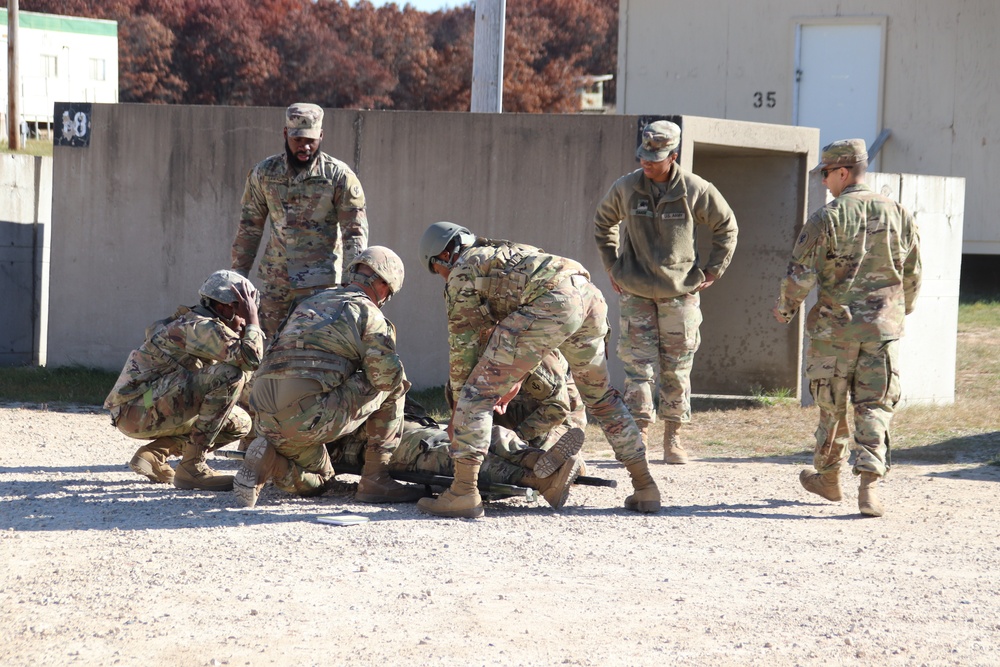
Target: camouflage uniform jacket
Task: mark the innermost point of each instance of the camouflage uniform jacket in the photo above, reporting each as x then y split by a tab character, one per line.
863	251
649	246
330	336
489	281
190	339
318	222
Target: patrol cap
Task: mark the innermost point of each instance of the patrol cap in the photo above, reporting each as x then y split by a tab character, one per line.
659	138
843	153
304	120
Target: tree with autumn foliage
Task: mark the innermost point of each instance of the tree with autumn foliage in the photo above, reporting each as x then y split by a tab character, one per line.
347	55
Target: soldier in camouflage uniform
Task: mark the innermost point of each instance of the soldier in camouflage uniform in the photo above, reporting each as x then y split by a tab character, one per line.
538	302
179	389
316	209
646	229
332	369
862	253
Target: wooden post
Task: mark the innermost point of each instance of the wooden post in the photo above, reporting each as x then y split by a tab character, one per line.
13	81
487	56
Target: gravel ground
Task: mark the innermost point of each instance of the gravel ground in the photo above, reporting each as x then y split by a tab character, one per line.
741	567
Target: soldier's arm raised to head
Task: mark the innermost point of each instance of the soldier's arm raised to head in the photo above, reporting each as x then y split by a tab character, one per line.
214	341
352	216
253	214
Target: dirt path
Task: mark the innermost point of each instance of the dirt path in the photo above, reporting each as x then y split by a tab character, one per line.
742	567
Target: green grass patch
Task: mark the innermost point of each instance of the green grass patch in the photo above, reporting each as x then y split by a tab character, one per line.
976	314
69	384
31	147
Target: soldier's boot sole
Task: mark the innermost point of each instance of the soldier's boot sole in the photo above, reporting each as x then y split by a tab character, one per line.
246	487
453	506
826	486
568	445
146	463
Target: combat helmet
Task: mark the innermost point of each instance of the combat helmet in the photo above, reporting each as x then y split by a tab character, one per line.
438	237
219	286
384	262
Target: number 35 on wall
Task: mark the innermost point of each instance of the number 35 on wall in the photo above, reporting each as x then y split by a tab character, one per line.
768	99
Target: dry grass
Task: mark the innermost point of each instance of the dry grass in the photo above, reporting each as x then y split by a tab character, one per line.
967	431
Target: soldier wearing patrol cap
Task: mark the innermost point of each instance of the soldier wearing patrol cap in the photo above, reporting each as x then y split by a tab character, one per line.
646	231
318	223
332	370
861	252
179	388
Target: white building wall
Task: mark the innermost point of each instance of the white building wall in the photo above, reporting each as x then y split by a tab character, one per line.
940	96
61	59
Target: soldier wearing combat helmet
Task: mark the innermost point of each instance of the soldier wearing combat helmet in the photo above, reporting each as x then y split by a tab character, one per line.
179	388
538	302
861	252
332	370
316	208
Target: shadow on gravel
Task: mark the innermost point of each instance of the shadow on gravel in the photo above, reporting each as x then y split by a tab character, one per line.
979	448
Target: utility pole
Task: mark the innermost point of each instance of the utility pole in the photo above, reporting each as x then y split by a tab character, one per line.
487	56
13	81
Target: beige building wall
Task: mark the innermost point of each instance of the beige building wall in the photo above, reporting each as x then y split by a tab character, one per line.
149	209
940	91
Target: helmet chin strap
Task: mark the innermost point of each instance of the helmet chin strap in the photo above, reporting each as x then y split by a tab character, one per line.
369	282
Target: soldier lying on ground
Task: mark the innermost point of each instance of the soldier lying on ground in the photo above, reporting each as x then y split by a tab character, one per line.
179	389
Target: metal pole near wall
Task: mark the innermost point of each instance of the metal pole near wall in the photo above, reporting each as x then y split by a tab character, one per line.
13	80
487	56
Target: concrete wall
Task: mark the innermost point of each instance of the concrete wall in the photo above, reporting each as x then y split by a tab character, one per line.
940	97
25	211
145	212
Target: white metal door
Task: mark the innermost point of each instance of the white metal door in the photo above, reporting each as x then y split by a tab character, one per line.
838	80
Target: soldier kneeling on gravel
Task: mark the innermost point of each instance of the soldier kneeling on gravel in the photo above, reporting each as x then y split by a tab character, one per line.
333	369
179	388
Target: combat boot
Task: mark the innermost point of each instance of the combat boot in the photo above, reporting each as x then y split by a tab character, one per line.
646	497
376	486
673	451
261	463
868	500
193	473
826	485
462	499
150	461
568	445
555	488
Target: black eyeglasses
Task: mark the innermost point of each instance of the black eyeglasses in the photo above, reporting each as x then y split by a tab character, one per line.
826	172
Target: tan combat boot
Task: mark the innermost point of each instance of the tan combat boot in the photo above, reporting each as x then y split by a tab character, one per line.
261	463
673	451
568	445
646	497
555	488
150	461
193	473
826	485
868	500
376	486
462	499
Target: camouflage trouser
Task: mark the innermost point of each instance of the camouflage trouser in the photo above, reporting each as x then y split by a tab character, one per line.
276	300
427	450
870	374
191	406
659	334
300	432
573	318
536	429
